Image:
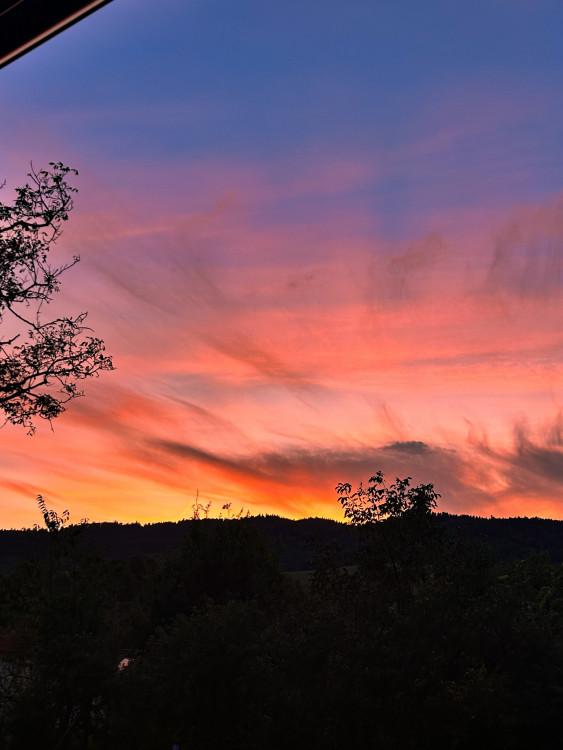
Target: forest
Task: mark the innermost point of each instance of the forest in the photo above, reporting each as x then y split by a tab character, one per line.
410	636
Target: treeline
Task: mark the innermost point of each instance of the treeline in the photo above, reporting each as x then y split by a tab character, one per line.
427	642
290	541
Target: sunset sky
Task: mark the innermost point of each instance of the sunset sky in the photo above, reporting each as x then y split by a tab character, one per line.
320	239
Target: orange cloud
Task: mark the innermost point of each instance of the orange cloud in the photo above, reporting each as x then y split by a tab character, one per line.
263	361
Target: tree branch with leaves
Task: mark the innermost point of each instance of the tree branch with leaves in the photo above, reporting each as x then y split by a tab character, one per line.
41	361
398	525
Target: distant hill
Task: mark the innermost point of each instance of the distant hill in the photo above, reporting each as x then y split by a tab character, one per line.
293	542
509	538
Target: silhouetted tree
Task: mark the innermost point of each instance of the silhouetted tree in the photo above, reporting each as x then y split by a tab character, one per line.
64	644
400	535
41	360
377	501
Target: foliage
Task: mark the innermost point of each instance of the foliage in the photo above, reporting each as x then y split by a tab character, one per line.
400	538
225	651
41	361
218	560
201	511
377	501
53	521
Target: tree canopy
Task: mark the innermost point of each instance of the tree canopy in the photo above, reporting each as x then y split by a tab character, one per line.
42	360
209	645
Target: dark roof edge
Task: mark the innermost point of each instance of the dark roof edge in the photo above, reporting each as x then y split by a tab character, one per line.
24	35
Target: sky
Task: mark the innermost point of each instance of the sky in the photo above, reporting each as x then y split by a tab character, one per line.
320	239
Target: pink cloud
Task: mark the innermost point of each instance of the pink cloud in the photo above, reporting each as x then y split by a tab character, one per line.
263	360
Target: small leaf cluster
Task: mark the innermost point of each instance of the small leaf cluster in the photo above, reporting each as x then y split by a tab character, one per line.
53	521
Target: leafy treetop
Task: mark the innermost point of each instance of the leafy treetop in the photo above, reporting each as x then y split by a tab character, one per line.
378	501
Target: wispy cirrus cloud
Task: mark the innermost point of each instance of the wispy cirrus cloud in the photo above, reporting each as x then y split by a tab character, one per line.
263	359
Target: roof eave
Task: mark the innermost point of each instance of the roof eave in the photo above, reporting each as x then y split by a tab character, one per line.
26	24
